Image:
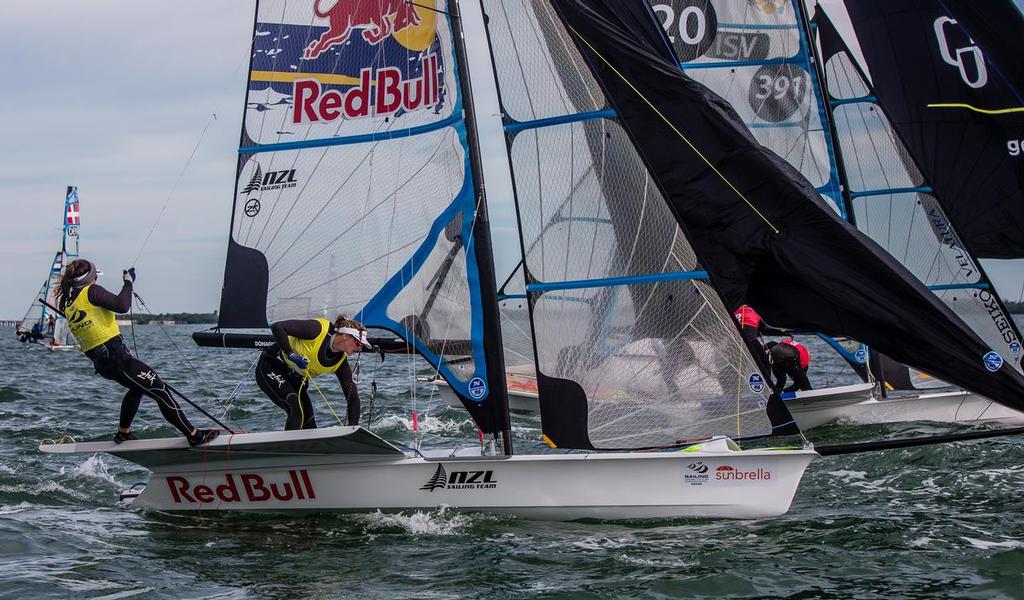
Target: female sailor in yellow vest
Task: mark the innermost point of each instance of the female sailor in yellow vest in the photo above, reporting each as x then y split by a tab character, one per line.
304	349
90	314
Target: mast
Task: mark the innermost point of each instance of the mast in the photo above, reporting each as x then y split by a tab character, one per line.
832	137
493	348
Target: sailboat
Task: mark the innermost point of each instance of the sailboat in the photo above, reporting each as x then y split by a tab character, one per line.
40	324
758	57
596	112
928	174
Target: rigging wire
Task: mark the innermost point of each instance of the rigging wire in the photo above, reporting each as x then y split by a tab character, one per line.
174	188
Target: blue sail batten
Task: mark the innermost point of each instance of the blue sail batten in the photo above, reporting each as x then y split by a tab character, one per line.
923	189
518	126
959	286
614	281
861	100
353	139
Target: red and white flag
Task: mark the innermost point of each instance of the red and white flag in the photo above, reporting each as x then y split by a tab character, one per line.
72	216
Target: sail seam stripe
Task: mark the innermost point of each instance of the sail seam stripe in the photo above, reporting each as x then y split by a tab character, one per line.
353	139
675	129
550	121
613	281
885	191
959	286
984	111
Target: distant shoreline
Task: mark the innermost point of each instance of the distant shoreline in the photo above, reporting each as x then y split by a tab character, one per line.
170	318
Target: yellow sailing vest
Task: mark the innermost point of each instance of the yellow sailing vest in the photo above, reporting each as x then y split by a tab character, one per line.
310	349
90	324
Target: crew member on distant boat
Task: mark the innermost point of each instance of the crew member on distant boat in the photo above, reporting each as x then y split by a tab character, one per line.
306	349
90	313
51	323
752	327
790	358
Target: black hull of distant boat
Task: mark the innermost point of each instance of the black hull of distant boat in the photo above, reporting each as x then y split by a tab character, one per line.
262	341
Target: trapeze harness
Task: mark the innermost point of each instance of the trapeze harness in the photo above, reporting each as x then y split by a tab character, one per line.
93	323
287	385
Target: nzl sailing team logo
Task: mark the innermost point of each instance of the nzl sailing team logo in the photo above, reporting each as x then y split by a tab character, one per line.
966	58
460	480
350	59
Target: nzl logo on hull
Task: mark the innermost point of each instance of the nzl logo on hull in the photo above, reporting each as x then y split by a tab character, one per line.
366	59
460	480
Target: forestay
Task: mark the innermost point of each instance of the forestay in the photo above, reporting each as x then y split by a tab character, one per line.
899	207
633	346
354	190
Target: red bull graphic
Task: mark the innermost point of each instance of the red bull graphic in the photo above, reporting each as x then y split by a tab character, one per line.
378	19
248	487
379	58
388	91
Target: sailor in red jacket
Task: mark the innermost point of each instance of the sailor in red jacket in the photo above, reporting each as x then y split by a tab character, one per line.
752	328
790	358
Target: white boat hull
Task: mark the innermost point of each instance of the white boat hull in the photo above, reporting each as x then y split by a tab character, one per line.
941	407
728	484
519	399
813	408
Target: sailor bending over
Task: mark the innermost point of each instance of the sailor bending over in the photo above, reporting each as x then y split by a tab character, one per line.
790	358
89	310
305	349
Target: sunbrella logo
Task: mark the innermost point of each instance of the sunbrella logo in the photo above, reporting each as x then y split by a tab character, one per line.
460	480
730	473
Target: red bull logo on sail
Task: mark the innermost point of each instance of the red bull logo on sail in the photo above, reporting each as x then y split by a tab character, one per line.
378	19
380	92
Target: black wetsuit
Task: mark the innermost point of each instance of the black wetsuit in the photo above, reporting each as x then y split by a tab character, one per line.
287	389
786	361
113	361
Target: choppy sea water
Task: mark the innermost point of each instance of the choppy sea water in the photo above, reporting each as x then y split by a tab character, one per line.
931	522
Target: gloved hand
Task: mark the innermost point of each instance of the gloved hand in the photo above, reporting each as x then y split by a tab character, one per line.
300	361
129	275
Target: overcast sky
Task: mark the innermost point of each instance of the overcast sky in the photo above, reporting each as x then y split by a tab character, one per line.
112	96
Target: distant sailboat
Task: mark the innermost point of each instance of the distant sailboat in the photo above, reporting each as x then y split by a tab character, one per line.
41	324
929	178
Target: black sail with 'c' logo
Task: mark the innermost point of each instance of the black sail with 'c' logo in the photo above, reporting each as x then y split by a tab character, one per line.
949	75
